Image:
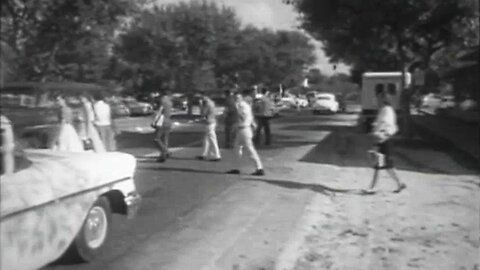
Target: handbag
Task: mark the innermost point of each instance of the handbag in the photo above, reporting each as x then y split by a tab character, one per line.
88	144
158	121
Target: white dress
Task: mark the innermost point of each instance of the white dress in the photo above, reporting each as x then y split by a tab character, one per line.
68	139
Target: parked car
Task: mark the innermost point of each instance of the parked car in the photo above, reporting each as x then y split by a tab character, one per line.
447	101
119	109
138	108
56	203
179	102
431	101
325	102
302	102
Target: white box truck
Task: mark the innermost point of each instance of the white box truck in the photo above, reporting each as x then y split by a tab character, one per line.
391	82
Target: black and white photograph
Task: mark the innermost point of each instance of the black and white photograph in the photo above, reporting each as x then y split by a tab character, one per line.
239	135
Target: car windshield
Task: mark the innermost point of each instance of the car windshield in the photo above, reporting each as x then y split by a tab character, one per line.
324	98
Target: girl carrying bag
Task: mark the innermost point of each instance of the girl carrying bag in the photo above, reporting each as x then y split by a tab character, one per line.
158	120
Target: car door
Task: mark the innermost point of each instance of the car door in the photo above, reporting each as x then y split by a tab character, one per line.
25	229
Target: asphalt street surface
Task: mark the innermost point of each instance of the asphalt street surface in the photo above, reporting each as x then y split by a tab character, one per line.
187	203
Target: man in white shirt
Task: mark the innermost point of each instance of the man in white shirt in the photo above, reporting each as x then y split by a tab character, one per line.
104	123
210	143
244	135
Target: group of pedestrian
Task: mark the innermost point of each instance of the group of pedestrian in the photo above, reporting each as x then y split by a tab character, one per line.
246	117
240	125
92	128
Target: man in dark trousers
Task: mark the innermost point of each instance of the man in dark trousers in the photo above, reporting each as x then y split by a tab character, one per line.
230	115
162	133
263	110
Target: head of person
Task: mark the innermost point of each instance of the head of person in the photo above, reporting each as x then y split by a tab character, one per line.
227	93
98	97
203	95
84	98
238	96
264	91
60	100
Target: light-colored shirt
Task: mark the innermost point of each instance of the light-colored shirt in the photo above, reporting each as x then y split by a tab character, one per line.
208	110
245	115
386	120
102	113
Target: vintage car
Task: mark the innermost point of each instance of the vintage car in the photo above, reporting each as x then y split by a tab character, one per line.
138	108
57	203
325	102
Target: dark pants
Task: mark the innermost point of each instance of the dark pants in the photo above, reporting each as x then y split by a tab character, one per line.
229	133
385	148
161	140
263	122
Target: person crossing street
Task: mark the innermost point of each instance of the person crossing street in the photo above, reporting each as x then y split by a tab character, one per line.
230	116
210	143
263	110
244	134
163	126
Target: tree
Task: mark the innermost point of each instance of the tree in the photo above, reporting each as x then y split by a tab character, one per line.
180	43
386	35
62	39
199	45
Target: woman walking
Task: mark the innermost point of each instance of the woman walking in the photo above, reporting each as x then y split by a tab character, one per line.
384	127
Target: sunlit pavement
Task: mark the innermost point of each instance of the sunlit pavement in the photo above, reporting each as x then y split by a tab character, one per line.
306	213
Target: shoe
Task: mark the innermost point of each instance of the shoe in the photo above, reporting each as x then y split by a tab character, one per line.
258	172
200	157
215	159
234	172
400	188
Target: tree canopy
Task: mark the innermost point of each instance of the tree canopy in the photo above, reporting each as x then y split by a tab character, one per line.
387	35
202	46
61	39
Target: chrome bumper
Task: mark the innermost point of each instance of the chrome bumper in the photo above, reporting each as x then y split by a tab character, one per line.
133	201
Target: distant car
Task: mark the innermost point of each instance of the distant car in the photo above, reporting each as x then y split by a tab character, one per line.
289	101
431	101
119	109
447	102
325	103
302	102
180	102
138	108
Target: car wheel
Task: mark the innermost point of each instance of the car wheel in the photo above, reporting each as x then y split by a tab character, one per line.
94	232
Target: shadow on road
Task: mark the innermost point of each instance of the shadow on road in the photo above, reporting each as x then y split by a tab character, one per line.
326	190
182	169
348	148
141	140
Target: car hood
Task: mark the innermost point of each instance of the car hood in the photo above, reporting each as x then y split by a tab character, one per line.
54	175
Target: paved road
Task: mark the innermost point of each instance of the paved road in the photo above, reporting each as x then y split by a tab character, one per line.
194	215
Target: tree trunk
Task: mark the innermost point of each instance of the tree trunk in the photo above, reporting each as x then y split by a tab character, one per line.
405	96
